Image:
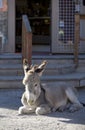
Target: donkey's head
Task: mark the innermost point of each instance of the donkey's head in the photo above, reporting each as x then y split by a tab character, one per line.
32	80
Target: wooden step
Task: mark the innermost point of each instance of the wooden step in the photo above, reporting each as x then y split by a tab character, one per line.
11	69
60	69
11	81
9	58
73	79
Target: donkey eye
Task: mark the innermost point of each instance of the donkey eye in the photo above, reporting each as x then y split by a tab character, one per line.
35	85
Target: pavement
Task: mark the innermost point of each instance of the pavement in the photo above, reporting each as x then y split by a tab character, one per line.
10	120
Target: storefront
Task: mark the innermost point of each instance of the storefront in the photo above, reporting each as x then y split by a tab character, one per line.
52	22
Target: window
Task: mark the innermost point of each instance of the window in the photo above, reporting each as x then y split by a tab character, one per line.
83	2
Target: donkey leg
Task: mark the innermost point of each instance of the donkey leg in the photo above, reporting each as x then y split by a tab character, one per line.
76	105
25	110
24	100
63	108
43	109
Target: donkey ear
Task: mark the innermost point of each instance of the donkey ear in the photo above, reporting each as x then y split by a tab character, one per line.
25	62
41	68
25	66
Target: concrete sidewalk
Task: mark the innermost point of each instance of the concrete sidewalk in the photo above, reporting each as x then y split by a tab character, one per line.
10	120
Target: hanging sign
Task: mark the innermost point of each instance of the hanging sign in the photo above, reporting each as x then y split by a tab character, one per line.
61	24
77	8
1	4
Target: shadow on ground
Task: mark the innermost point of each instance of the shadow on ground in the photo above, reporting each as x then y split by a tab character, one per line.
77	117
11	99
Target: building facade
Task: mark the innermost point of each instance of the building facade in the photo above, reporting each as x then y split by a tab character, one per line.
52	22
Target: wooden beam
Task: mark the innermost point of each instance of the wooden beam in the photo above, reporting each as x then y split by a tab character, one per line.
77	38
82	16
26	39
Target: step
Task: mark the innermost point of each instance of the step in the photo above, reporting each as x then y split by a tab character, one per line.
17	69
10	55
56	66
10	58
81	66
60	61
73	79
11	69
11	81
59	69
57	57
13	63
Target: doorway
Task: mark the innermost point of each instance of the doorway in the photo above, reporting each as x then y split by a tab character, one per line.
39	14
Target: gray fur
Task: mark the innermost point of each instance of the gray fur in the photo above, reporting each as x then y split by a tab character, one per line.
41	99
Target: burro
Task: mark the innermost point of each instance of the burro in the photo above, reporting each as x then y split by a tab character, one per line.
43	99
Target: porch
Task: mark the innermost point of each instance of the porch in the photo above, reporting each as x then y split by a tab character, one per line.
60	69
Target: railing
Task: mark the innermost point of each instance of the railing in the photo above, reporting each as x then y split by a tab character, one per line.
78	18
26	39
77	38
82	17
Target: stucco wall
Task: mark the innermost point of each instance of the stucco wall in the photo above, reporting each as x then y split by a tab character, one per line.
3	25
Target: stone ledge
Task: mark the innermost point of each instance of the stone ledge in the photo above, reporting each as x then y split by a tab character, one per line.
74	79
82	82
63	83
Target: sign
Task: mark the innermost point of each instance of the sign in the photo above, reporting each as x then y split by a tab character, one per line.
77	8
61	24
1	4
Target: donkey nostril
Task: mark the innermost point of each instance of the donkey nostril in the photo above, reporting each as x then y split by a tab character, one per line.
31	102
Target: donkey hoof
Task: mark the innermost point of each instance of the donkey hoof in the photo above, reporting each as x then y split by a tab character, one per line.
75	107
39	111
42	111
20	111
62	108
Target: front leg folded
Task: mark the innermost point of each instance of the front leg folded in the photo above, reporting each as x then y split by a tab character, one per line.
43	109
25	110
24	100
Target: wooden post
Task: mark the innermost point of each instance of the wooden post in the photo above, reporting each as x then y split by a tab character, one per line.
29	48
26	39
77	38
